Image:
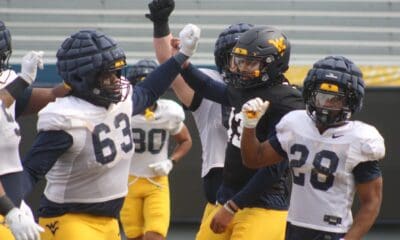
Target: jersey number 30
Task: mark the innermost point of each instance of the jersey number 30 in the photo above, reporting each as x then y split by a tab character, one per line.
321	176
155	140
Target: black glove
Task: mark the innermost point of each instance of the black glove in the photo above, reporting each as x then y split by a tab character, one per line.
160	10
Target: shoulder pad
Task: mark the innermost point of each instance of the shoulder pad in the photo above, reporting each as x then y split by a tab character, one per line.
372	143
289	120
172	110
6	77
67	113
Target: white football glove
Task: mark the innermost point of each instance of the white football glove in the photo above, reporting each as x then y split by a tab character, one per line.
252	111
22	226
26	209
30	62
189	37
162	168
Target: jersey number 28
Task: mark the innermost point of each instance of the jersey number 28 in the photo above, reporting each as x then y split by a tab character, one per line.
321	176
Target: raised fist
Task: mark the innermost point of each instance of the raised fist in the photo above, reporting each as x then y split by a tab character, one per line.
189	37
30	62
252	111
160	10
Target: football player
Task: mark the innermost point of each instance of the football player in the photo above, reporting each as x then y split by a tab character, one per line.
210	117
243	204
146	210
84	143
19	220
33	99
250	198
331	157
17	215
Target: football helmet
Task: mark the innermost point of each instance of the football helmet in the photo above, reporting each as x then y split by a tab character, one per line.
5	46
259	58
91	63
333	90
225	42
140	70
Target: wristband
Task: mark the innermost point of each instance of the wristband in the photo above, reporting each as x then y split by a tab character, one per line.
5	205
232	206
227	208
67	86
160	29
180	58
17	87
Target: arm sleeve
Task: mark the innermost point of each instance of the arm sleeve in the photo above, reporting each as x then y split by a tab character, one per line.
22	101
276	145
46	149
148	91
366	171
196	102
265	178
205	86
12	184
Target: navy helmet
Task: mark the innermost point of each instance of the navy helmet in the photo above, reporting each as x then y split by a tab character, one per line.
225	42
333	90
90	62
259	58
5	46
140	70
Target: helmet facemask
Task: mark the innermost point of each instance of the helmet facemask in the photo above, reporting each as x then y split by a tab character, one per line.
248	72
112	86
5	47
333	90
4	60
327	105
259	58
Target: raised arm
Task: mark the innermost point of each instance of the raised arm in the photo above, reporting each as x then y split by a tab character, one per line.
158	81
162	41
205	85
34	99
164	51
254	153
30	62
160	11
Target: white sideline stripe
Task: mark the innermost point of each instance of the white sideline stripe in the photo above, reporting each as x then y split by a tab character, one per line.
203	12
207	58
120	25
304	42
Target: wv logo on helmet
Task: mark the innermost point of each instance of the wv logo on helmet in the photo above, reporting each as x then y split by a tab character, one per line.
279	44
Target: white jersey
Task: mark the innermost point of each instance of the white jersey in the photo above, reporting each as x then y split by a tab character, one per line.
151	137
6	77
322	165
9	131
213	135
96	167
